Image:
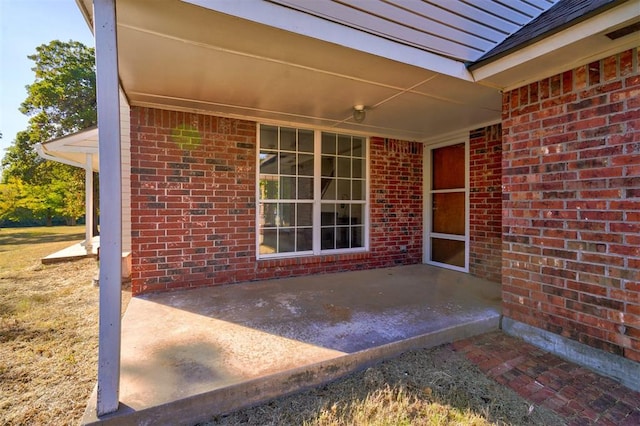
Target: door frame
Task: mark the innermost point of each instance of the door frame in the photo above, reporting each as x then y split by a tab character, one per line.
462	137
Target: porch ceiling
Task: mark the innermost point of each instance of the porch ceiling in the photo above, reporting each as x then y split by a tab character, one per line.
177	55
309	63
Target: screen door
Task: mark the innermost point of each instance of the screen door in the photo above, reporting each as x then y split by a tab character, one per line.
447	235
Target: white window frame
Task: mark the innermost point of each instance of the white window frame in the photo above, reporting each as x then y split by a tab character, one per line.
317	197
428	202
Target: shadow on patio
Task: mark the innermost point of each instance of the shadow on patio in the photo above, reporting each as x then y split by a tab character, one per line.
191	354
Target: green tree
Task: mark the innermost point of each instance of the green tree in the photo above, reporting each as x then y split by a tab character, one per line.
14	202
61	101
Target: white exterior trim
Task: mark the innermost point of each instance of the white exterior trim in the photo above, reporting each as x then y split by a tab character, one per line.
88	204
599	23
109	337
311	26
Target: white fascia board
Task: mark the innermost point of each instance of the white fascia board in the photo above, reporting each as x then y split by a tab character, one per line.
302	23
43	153
582	30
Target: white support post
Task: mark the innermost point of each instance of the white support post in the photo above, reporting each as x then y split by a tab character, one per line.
88	205
104	13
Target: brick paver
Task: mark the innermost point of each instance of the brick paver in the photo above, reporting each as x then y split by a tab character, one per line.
577	394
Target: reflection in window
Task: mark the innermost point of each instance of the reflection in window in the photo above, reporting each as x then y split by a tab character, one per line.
288	175
343	191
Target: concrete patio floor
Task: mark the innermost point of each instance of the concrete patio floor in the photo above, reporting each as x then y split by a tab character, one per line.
189	355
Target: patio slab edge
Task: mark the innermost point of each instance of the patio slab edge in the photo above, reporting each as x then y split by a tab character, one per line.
201	407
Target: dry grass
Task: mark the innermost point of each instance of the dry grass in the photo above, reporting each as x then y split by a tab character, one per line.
425	387
48	359
48	328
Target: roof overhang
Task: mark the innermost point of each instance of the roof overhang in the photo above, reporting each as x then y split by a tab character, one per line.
180	56
574	46
265	62
73	149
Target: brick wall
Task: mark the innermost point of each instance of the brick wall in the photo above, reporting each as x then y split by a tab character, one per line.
571	204
485	203
193	198
396	201
193	205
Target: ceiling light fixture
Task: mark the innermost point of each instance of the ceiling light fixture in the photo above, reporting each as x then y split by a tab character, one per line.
359	113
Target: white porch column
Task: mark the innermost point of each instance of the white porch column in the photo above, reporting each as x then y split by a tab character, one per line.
88	204
104	12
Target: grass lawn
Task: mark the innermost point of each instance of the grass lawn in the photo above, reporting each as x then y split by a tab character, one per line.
22	247
48	328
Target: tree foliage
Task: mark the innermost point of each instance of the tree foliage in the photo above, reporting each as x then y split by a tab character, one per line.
60	101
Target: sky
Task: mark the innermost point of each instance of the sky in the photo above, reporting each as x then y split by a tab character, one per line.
24	25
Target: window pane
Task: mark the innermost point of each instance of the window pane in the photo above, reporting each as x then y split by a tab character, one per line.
288	164
343	214
329	143
328	239
344	145
328	215
342	237
269	214
449	213
268	137
357	216
329	187
268	162
305	188
344	167
287	139
304	239
287	214
287	188
268	188
268	241
305	165
447	251
305	140
286	240
358	147
358	168
328	166
357	236
448	169
344	189
305	214
358	188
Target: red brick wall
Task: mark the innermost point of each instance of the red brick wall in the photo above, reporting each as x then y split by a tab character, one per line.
485	203
193	205
192	198
571	206
396	201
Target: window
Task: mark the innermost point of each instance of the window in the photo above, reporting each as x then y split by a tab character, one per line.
312	192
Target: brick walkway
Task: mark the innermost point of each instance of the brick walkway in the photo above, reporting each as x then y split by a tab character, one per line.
575	393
